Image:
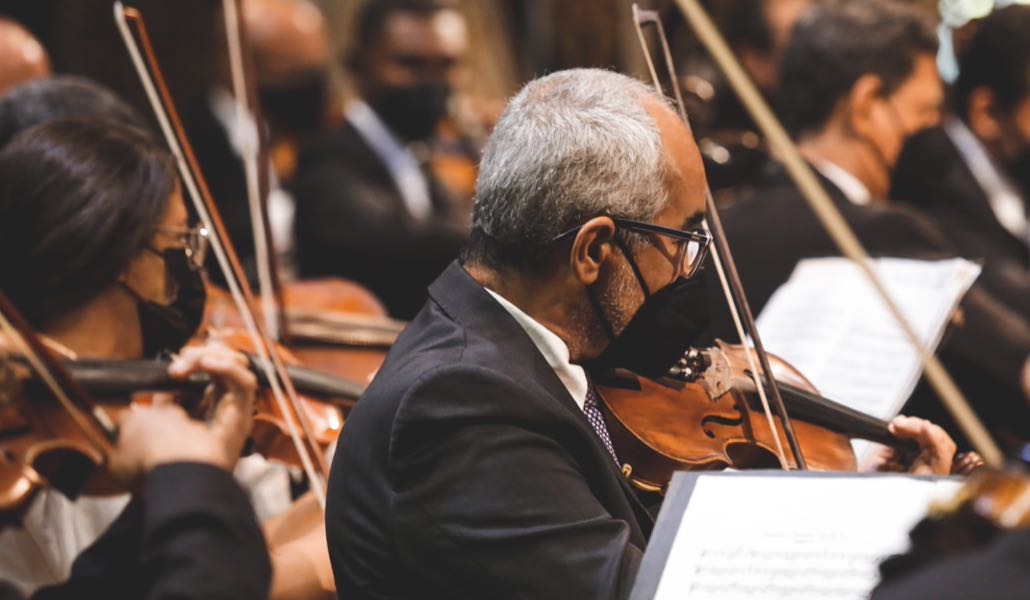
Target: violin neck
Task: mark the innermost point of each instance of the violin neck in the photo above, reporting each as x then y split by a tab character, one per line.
818	410
108	378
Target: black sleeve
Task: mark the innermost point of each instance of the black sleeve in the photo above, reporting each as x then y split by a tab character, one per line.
998	571
191	534
495	507
9	592
200	536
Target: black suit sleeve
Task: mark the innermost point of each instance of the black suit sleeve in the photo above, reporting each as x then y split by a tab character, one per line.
494	507
999	571
191	534
200	536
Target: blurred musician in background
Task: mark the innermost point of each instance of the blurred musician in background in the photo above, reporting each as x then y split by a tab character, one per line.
290	48
368	206
758	32
973	173
857	80
22	57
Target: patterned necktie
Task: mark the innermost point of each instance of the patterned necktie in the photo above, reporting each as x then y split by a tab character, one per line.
592	409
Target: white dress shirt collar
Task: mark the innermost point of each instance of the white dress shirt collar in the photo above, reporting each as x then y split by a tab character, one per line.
1005	201
554	350
854	190
398	160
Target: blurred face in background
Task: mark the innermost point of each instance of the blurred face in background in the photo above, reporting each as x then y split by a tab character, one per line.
408	72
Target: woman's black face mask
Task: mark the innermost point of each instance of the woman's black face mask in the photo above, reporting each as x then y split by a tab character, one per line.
167	327
662	329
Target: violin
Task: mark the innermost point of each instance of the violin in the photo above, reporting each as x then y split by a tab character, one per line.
333	325
270	434
64	445
705	416
61	438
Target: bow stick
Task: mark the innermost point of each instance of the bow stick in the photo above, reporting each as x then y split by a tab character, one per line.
150	75
255	169
724	265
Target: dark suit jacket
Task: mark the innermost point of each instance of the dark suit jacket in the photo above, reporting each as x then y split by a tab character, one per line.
352	222
467	471
1000	571
773	229
191	533
935	179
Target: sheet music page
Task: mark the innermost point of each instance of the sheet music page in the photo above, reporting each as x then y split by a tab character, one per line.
803	538
827	321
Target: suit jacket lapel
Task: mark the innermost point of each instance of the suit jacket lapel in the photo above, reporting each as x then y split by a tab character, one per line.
468	303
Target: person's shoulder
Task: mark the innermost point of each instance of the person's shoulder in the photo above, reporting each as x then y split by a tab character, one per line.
899	230
342	140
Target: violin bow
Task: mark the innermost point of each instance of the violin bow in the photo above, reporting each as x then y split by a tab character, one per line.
723	260
834	222
98	428
150	76
255	168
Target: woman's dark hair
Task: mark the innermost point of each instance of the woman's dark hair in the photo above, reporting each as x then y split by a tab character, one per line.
835	43
61	97
78	200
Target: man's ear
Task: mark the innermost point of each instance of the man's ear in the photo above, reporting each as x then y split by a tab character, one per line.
982	114
591	248
862	100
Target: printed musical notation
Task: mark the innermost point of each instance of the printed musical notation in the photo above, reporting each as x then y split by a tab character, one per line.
745	536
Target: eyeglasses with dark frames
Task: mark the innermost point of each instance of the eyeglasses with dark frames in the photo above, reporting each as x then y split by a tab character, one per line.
693	244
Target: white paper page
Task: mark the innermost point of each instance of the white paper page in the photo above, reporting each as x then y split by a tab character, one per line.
746	537
829	323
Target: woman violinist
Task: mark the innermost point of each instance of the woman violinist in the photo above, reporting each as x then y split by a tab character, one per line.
99	258
190	531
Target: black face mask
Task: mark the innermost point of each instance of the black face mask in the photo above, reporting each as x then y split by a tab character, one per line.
412	112
297	108
910	168
661	331
167	328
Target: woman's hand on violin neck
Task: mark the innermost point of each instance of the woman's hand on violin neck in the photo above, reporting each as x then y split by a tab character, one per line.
163	433
936	451
231	413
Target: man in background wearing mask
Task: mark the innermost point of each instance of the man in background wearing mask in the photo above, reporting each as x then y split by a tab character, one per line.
858	79
368	208
478	463
973	173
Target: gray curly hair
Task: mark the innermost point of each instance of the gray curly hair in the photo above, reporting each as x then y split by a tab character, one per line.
570	146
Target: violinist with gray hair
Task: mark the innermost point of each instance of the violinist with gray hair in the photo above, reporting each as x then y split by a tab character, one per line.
478	463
